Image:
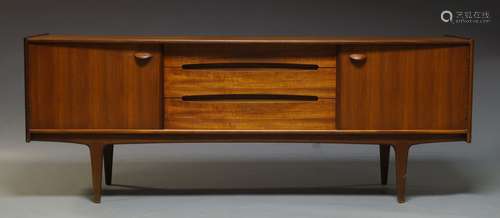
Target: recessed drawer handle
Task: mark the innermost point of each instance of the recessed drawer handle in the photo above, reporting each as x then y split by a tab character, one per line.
357	57
250	65
249	97
143	55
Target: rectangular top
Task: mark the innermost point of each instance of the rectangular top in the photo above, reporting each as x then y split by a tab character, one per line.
144	39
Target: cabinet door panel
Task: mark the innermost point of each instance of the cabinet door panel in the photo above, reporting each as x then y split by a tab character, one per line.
398	88
94	86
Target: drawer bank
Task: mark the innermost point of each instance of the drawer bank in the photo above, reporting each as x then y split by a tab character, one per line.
389	91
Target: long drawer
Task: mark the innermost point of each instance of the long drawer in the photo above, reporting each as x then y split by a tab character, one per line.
315	82
249	69
181	55
305	114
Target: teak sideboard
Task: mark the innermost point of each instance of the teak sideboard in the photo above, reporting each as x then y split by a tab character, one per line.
106	90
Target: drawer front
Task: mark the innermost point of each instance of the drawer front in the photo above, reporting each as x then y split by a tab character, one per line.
185	55
180	82
316	114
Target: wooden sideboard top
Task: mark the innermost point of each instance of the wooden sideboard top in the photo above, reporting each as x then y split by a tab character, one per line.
143	39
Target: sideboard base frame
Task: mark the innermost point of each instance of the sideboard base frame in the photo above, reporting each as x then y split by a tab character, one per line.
101	144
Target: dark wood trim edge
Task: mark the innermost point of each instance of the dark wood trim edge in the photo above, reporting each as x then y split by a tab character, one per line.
276	137
28	38
470	91
26	92
162	87
458	37
27	106
470	85
338	90
208	131
305	40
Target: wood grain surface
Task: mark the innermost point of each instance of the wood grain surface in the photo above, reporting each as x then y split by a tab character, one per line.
178	55
250	115
180	82
94	86
403	88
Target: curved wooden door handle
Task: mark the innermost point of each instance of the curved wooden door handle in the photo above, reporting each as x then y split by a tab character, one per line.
143	55
357	57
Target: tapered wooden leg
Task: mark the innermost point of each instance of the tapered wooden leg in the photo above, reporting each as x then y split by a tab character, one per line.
384	162
108	163
96	153
401	151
